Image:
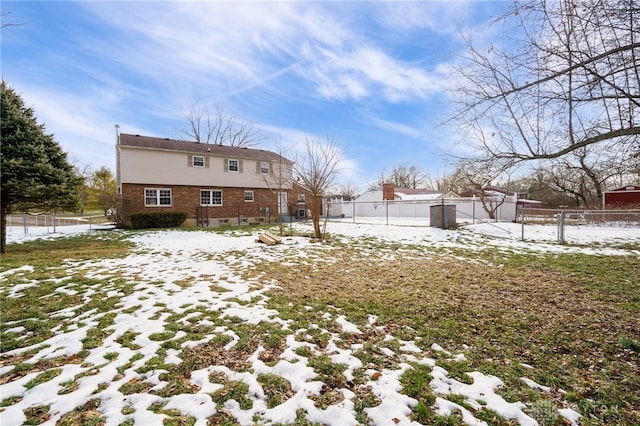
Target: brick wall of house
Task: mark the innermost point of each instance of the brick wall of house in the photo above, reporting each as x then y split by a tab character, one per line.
297	199
187	199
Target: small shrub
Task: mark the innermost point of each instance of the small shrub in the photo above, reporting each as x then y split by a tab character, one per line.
157	220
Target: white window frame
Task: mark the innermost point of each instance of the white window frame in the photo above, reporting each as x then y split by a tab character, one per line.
302	198
210	197
249	199
158	196
264	167
237	165
199	164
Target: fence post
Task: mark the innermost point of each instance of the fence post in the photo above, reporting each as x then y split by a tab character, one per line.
561	227
353	203
386	203
25	224
473	206
522	221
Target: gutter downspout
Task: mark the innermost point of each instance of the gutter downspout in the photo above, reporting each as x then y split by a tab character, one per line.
118	178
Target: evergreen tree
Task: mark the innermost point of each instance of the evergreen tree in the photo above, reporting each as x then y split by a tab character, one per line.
34	169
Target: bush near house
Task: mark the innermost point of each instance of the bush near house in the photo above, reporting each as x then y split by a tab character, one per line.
157	220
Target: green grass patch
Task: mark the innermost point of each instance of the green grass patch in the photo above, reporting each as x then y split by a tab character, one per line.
38	253
276	389
43	377
237	391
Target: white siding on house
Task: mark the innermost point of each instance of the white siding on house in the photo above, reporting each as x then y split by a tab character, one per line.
373	195
157	167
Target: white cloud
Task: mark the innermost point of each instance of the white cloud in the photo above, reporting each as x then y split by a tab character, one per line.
143	63
77	124
438	17
395	127
224	47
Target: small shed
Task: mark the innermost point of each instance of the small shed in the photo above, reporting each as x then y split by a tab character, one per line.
443	216
625	197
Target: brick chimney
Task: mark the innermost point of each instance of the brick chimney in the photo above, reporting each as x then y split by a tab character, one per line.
388	191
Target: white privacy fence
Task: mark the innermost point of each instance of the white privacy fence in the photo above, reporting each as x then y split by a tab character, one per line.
468	210
566	226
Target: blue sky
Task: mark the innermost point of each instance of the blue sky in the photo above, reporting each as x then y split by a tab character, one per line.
371	75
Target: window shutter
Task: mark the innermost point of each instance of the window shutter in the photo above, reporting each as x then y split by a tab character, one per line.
206	162
257	166
189	161
239	166
226	164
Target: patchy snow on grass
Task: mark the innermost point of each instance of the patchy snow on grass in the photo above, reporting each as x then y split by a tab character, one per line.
116	369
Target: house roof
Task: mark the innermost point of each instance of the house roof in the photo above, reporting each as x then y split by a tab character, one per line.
166	144
418	194
627	188
415	191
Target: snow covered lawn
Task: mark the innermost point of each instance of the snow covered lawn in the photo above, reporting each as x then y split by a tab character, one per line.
382	325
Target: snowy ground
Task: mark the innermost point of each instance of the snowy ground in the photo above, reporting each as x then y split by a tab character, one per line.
209	262
502	234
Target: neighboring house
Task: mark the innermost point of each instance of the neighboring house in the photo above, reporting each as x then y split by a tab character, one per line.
390	192
213	184
625	197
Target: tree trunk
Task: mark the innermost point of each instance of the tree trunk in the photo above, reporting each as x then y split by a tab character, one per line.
3	228
316	204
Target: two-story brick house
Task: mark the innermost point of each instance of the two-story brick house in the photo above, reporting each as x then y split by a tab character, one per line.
214	184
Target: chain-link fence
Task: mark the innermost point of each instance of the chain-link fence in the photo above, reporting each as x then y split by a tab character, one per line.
571	223
45	222
530	224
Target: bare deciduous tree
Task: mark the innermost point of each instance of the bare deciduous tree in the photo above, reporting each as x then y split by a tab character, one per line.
316	170
404	175
220	128
585	175
348	190
475	177
571	82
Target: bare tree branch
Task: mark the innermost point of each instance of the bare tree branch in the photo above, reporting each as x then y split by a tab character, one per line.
404	175
316	170
220	128
572	82
5	24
